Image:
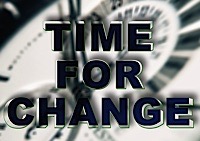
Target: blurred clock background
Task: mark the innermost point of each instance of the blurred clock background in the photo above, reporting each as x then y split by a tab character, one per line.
27	63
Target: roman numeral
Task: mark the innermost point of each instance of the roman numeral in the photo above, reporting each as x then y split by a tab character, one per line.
4	78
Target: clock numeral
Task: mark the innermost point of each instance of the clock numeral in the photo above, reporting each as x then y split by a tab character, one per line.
170	69
191	15
179	4
173	66
155	85
116	4
189	41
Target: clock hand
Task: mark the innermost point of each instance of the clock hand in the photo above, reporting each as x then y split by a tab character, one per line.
80	89
32	128
73	17
71	51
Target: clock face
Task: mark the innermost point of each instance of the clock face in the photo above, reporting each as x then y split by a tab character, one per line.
28	63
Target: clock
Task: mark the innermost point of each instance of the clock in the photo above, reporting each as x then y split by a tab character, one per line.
28	63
